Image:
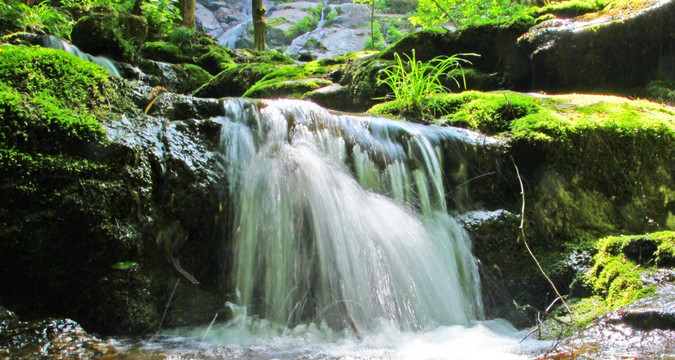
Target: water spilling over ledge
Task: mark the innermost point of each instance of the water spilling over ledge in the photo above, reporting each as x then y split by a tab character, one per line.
312	244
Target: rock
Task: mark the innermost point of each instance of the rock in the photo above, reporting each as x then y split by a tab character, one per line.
51	338
609	53
331	96
115	35
235	81
642	330
177	78
207	21
496	45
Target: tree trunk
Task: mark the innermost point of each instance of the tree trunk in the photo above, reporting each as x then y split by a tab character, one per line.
259	29
187	11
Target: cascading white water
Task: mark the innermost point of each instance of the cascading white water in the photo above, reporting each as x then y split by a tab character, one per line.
344	245
316	243
54	42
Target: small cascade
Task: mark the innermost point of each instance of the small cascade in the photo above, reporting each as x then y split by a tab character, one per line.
54	42
230	37
343	220
322	21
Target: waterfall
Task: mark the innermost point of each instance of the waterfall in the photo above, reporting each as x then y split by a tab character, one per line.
343	220
54	42
230	37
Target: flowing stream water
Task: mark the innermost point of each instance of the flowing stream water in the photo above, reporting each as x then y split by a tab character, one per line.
344	247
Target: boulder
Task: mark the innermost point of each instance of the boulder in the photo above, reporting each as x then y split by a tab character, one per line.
613	52
115	35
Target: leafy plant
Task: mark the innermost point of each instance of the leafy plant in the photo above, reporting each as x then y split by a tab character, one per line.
182	35
412	82
40	18
432	13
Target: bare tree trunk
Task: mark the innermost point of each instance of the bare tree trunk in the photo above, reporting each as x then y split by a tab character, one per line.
259	29
189	15
187	12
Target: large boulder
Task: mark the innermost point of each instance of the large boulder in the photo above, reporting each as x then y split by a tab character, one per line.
610	51
116	35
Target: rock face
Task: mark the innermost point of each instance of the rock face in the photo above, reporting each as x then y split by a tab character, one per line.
297	27
604	53
642	330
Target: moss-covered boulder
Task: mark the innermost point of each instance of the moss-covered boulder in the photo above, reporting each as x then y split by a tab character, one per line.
616	50
177	78
494	42
116	35
73	203
235	81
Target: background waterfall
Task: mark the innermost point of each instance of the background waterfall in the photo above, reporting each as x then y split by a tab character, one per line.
343	217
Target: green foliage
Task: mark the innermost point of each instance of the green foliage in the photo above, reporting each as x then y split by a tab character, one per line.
379	39
661	91
39	18
432	13
161	16
307	24
182	36
412	82
568	9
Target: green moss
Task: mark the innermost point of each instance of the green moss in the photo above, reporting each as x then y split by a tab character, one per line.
195	77
620	262
292	80
165	51
235	81
569	9
286	89
71	82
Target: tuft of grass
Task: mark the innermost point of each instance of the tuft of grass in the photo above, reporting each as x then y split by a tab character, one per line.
412	82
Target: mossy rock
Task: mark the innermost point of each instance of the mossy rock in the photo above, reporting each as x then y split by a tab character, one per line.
619	275
176	78
116	35
292	80
235	81
568	9
495	43
286	88
72	201
204	52
595	165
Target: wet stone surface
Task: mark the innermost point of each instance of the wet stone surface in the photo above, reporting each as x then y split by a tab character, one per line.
642	330
48	339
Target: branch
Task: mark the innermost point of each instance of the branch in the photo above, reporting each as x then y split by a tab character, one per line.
522	232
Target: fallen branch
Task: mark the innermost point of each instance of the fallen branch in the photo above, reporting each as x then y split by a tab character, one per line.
522	233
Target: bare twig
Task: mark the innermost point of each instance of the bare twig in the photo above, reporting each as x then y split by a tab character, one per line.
166	307
522	233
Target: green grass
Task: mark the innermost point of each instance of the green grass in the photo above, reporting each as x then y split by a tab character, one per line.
412	82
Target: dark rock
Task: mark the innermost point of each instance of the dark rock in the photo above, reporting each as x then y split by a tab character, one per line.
332	96
115	35
496	45
50	338
615	54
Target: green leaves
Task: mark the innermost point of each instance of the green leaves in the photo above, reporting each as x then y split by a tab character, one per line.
432	13
412	82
